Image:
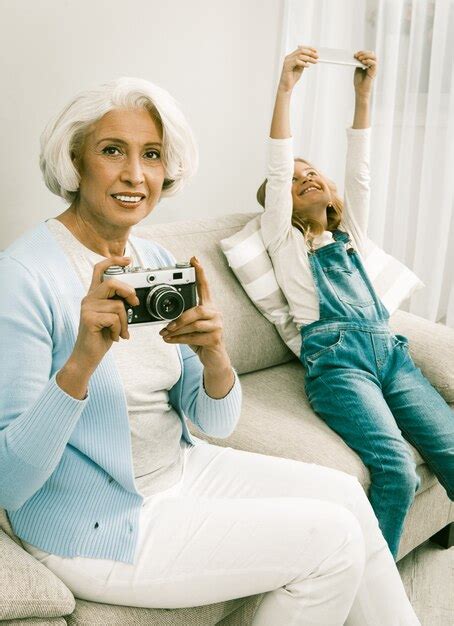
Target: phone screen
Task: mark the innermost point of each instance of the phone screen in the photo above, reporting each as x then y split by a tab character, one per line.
338	57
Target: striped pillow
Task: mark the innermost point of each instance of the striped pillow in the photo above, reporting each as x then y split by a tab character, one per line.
392	280
247	256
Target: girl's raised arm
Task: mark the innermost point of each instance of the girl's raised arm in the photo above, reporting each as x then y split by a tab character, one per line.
277	218
363	83
294	64
357	176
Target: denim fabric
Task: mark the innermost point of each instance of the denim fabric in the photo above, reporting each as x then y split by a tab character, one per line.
361	380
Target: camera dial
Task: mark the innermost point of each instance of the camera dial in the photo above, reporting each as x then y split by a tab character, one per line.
114	269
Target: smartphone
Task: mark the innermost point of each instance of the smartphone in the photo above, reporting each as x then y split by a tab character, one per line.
338	57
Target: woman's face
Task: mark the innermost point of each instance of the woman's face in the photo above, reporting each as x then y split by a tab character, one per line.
309	188
121	168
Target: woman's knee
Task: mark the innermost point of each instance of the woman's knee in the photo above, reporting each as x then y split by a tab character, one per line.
354	545
346	555
335	530
347	488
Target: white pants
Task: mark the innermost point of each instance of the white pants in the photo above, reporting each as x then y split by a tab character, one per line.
240	523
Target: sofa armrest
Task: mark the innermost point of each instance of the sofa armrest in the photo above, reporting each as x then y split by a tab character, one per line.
431	347
5	525
28	588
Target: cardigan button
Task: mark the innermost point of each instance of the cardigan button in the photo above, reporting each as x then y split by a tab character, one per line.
110	479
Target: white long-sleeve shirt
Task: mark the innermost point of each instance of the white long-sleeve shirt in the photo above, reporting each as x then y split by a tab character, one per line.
285	243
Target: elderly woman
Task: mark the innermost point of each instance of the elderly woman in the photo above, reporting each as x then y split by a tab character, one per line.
99	474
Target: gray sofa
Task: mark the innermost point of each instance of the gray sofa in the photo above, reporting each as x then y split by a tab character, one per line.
276	420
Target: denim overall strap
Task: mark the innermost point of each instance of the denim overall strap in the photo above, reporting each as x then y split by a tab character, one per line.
343	287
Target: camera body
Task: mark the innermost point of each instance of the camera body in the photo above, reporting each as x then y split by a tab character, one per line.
164	293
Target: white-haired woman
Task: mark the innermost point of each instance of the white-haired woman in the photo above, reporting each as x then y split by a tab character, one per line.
99	474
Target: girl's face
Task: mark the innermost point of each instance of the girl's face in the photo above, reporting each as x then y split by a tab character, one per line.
309	189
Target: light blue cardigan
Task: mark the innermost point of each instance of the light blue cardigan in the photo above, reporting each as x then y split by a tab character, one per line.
66	471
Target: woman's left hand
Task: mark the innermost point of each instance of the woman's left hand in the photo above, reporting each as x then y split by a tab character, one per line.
201	326
363	78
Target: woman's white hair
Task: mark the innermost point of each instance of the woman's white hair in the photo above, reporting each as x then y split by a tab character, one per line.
63	136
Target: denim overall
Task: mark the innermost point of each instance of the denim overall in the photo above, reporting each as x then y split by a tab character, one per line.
362	382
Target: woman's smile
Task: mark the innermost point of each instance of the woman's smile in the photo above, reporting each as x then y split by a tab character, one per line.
128	200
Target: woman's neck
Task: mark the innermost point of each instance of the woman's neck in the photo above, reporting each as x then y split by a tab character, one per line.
105	244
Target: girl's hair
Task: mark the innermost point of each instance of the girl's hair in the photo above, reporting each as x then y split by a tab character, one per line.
63	136
309	226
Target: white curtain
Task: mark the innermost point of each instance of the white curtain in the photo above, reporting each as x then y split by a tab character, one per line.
412	161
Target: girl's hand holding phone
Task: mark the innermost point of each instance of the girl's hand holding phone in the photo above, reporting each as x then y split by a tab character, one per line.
294	65
363	79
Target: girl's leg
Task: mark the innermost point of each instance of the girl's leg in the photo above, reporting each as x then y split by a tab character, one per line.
352	404
426	420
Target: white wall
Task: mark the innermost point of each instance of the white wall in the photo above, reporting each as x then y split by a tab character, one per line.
219	58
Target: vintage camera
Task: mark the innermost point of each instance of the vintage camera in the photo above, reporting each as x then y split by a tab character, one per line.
164	293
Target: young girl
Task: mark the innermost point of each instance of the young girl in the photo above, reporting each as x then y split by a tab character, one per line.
360	377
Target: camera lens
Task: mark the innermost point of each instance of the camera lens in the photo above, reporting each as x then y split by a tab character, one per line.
165	302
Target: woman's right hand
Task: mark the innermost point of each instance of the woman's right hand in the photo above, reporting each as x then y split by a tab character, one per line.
103	318
294	65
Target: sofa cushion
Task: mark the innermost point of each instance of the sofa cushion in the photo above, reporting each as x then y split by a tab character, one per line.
277	420
94	613
431	347
35	621
5	525
248	258
252	341
29	589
